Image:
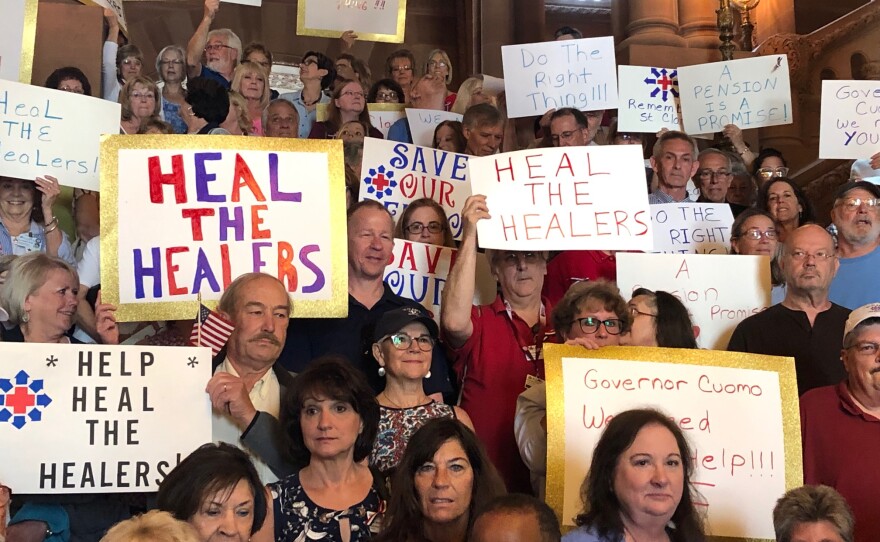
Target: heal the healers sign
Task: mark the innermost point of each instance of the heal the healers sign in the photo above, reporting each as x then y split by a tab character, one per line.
191	220
99	419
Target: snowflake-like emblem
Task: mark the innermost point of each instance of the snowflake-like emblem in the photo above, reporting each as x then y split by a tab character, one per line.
22	400
380	182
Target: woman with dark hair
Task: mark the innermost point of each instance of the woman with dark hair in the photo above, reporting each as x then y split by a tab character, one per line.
639	484
444	478
448	136
317	73
400	66
425	221
217	490
347	104
330	417
787	204
385	91
658	319
69	79
207	107
769	164
753	233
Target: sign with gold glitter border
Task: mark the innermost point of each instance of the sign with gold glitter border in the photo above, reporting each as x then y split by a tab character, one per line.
18	29
184	215
372	20
738	411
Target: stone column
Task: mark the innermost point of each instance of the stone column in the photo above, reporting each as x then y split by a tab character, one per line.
699	23
653	22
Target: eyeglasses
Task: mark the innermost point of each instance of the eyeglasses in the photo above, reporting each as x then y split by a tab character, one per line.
590	325
514	258
852	204
756	234
75	90
770	172
437	64
390	95
820	255
309	62
634	311
416	227
402	341
563	136
142	95
353	94
171	62
721	174
401	68
217	47
132	62
865	348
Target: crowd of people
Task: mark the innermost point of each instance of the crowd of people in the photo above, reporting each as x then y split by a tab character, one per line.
385	424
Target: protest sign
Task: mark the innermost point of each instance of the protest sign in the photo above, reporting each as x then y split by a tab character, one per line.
18	28
692	228
850	121
382	116
99	419
255	3
648	99
185	215
555	74
749	92
418	271
567	198
719	291
423	122
372	20
737	411
116	7
396	174
51	132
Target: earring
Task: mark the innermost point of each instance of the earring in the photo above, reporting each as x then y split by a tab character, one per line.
25	318
428	375
381	371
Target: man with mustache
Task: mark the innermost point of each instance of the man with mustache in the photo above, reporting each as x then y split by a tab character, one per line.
806	325
839	424
856	214
221	48
248	384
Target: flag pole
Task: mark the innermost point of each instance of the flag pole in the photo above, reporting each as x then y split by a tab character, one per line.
199	319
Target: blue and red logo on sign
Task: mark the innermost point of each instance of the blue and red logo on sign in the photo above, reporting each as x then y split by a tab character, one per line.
22	400
664	83
380	182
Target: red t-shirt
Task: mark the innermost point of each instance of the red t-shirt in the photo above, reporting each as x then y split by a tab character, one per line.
492	367
575	265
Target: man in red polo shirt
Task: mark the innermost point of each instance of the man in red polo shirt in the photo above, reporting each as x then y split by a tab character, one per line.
499	347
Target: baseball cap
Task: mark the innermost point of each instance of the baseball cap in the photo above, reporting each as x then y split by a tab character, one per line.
394	320
852	185
856	317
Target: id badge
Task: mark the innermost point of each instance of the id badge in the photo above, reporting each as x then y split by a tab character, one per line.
532	380
28	243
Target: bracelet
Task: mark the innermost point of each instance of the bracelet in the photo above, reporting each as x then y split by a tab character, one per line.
53	221
51	228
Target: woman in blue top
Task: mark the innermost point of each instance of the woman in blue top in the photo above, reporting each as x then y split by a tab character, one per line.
638	488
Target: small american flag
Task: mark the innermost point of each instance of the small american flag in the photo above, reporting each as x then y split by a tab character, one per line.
215	330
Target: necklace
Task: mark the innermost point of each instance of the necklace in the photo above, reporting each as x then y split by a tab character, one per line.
311	103
395	404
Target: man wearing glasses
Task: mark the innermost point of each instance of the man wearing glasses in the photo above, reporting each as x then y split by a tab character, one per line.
806	325
840	422
714	177
856	215
221	47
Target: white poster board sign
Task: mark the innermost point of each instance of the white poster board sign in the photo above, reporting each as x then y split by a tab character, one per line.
648	99
116	7
749	92
850	122
17	27
555	74
692	228
719	291
418	271
51	132
99	419
423	122
396	174
255	3
382	116
372	20
179	220
567	198
734	410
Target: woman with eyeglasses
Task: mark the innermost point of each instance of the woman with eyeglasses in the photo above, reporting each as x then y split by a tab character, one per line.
439	65
658	318
754	234
119	64
171	67
317	72
347	104
404	340
139	100
787	204
424	221
769	164
385	91
400	66
591	314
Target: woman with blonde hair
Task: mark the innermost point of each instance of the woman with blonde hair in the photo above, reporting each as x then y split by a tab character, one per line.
470	93
238	121
439	65
251	81
154	526
140	100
